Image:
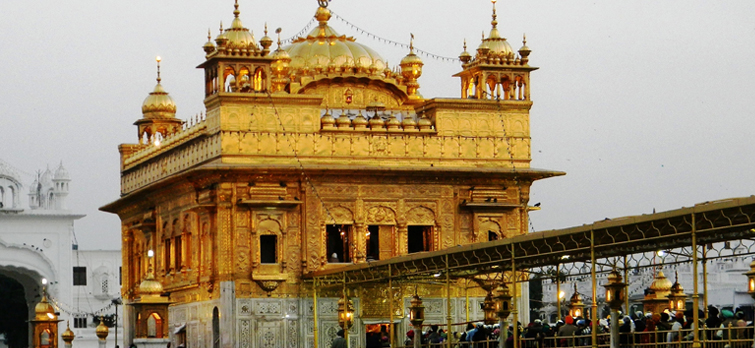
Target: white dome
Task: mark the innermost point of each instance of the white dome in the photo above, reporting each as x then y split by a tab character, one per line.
46	179
62	173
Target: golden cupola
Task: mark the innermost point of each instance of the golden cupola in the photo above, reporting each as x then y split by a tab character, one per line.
494	45
158	114
237	40
324	50
150	287
661	283
44	310
411	70
496	71
159	104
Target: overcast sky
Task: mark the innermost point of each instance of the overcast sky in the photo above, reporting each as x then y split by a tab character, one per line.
645	104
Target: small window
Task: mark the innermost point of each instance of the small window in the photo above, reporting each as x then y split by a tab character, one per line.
177	263
79	323
120	275
79	276
268	248
420	239
104	284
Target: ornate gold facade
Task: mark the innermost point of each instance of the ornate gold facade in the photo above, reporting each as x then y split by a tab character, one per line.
239	205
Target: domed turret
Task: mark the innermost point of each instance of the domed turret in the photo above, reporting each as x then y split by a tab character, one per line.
465	57
158	103
661	283
496	71
158	114
44	310
208	47
496	46
61	173
150	287
240	39
266	42
281	67
411	70
323	48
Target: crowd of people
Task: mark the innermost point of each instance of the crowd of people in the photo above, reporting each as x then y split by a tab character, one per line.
731	327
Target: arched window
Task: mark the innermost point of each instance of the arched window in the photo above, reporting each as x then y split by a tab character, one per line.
2	198
44	338
259	78
154	326
229	76
12	199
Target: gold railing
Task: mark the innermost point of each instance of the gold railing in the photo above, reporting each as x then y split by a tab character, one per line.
730	337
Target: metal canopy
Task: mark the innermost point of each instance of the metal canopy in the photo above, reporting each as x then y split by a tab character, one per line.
711	222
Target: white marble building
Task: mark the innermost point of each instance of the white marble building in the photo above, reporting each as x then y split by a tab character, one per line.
37	241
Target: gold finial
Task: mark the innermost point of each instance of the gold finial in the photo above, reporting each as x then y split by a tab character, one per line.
265	28
524	39
236	11
158	59
209	35
483	35
495	16
465	45
221	27
323	3
411	43
278	31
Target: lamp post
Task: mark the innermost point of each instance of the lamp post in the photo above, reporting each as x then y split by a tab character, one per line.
345	316
576	306
751	284
116	302
677	296
488	307
615	298
503	309
416	317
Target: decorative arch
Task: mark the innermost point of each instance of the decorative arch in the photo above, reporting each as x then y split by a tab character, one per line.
341	215
489	229
381	215
420	216
25	260
229	76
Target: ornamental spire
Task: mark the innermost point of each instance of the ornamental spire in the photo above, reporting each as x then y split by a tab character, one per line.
158	59
495	16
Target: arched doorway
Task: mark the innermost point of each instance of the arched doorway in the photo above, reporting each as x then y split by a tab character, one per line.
13	322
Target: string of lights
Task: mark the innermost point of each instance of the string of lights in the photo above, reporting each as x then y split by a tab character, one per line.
298	160
65	308
300	33
395	43
511	158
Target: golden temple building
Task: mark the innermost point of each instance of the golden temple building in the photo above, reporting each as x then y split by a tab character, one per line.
315	156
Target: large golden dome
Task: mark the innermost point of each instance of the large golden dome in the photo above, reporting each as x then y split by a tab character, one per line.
325	50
